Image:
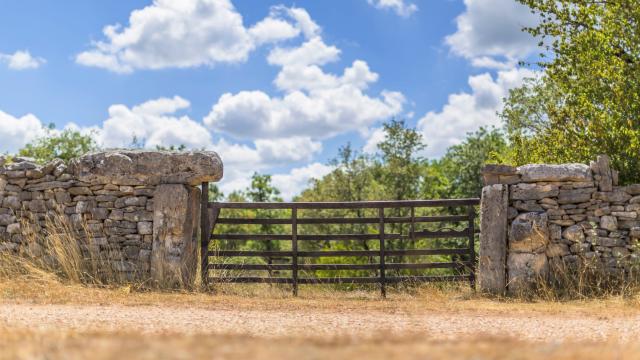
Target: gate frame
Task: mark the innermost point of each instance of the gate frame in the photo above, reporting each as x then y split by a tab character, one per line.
211	210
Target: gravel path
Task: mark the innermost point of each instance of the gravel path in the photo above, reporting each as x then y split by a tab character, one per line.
311	323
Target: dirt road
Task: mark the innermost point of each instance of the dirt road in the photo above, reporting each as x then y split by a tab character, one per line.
316	323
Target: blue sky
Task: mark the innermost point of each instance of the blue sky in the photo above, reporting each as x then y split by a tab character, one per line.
273	86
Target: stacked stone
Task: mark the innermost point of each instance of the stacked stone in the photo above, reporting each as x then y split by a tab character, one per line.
565	213
136	211
112	222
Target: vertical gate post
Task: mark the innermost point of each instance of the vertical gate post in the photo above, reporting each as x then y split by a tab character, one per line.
472	250
383	289
204	234
294	249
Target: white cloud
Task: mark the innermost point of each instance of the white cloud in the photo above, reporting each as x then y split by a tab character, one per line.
15	132
190	33
466	112
398	6
153	123
21	60
316	104
490	33
298	179
312	52
287	149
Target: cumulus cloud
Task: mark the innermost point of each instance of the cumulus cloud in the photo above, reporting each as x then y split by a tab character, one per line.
400	7
190	33
21	60
489	33
315	103
15	132
292	183
468	111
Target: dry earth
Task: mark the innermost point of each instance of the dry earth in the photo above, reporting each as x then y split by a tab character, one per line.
318	323
48	320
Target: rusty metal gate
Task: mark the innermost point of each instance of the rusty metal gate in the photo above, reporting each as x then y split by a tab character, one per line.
386	224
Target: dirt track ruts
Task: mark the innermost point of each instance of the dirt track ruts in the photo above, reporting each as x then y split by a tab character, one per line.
315	323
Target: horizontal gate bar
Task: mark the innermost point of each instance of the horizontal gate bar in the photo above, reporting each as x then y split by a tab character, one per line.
345	205
335	220
219	266
371	253
341	280
324	237
434	265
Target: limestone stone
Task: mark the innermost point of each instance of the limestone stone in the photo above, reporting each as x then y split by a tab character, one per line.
557	249
533	191
145	228
525	269
615	196
573	233
603	168
633	189
529	232
529	205
609	223
493	239
625	215
575	196
11	202
142	167
13	228
564	172
175	223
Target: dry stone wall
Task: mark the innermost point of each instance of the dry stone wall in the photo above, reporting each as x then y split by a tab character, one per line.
135	210
556	214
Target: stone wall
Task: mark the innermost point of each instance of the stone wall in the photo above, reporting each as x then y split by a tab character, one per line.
135	210
555	214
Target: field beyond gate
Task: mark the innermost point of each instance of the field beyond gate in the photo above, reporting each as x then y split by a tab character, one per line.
383	242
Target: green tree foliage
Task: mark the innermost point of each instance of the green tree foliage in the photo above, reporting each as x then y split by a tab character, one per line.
461	166
64	145
588	100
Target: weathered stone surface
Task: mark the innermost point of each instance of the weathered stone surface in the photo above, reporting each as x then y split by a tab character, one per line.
633	189
573	233
497	174
603	168
557	249
533	191
140	167
525	269
609	223
529	232
615	196
564	172
175	220
575	196
493	239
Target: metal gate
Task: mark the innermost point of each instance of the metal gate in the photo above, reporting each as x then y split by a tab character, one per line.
390	231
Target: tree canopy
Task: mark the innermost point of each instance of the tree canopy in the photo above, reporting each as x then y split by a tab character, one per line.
587	98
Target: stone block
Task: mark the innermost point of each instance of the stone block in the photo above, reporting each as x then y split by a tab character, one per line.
529	233
493	239
525	269
609	223
533	191
564	172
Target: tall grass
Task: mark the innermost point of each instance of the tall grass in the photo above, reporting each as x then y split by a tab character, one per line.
55	246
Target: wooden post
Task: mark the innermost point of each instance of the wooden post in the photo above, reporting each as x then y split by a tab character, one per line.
294	249
383	290
204	234
472	250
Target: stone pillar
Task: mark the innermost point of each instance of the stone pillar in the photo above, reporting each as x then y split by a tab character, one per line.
493	239
174	257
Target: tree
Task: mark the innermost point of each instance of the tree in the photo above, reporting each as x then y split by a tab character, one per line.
588	100
262	190
462	164
400	165
64	145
